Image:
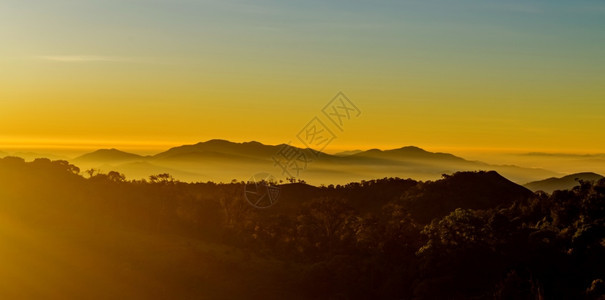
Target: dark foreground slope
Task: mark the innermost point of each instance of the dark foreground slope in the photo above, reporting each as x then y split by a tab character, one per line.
468	235
66	237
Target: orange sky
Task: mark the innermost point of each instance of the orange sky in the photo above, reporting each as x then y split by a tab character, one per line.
90	74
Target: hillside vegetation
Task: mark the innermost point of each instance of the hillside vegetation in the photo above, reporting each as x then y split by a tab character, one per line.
72	234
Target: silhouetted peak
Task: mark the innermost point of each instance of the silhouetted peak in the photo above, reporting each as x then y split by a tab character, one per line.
223	148
552	184
411	149
469	190
108	154
221	142
348	153
216	142
407	153
584	175
109	151
254	143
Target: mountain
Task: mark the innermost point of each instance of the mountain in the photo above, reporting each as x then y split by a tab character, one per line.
347	153
469	190
223	160
33	155
563	183
409	153
426	165
108	156
216	147
424	200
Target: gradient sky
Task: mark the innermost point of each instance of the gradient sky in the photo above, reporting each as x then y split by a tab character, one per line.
443	75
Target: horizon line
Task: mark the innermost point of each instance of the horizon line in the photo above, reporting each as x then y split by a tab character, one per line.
78	145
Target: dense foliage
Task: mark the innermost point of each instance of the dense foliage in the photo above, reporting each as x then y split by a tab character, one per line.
470	235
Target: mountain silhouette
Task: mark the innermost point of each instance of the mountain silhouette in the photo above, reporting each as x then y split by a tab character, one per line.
410	153
108	156
424	200
465	227
224	160
347	153
552	184
217	146
469	190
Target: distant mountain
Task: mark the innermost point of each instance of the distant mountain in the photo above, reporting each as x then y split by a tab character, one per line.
222	148
430	165
409	153
108	156
29	156
33	155
347	153
223	160
257	150
564	183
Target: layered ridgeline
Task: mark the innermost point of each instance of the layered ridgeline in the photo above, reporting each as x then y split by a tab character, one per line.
220	160
73	236
67	235
550	185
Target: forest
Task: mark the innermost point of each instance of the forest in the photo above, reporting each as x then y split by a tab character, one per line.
71	233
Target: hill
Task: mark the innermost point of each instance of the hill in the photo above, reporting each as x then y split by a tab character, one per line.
424	200
472	234
108	156
467	190
550	185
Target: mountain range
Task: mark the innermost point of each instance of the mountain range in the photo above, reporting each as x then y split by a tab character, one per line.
221	160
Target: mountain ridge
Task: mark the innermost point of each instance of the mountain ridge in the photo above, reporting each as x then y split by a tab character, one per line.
238	160
552	184
111	154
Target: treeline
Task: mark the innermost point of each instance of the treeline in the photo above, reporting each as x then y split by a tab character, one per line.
470	235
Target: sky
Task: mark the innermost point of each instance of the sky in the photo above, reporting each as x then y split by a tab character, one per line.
442	75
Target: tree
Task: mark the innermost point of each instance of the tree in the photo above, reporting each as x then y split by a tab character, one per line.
116	176
163	178
325	223
91	172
